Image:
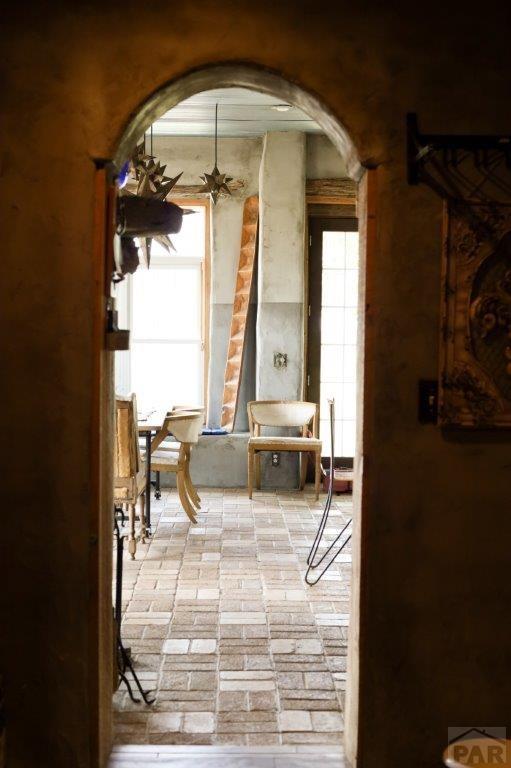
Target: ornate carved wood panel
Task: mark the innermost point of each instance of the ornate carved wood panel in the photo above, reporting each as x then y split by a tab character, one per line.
475	376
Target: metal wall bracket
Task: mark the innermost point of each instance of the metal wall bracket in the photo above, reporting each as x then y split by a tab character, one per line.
459	166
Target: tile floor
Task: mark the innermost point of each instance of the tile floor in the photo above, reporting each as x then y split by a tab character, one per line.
223	629
191	756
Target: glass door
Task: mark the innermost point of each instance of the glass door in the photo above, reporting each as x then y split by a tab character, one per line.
332	328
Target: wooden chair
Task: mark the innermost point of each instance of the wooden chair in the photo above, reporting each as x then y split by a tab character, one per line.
129	469
199	409
283	413
185	428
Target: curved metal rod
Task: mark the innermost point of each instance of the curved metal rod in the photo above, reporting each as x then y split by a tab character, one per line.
328	503
332	545
310	581
312	566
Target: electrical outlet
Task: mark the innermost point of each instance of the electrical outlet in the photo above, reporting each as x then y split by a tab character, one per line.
275	459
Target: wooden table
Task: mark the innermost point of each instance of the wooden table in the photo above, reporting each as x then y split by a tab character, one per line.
149	423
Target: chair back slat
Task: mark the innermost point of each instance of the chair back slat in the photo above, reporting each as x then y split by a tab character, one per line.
127	459
280	413
185	426
188	408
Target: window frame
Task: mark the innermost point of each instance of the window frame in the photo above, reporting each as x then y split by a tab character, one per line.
166	262
205	203
316	225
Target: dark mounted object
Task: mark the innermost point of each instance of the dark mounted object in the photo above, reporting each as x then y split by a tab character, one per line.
428	401
130	258
116	339
458	166
147	217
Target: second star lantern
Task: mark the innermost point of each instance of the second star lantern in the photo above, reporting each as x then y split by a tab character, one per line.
215	183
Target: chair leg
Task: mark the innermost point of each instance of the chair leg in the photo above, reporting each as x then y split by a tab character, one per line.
188	457
183	497
250	461
157	488
190	488
143	529
132	539
304	460
257	456
317	476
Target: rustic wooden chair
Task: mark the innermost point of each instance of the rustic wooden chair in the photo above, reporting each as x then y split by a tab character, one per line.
283	413
129	469
199	409
185	428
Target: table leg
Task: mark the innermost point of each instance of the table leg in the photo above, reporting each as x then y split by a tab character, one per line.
148	439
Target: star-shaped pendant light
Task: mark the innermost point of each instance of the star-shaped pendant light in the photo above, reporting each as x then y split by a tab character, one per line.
215	183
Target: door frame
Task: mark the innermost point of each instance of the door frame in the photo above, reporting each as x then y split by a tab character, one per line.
316	226
100	617
101	636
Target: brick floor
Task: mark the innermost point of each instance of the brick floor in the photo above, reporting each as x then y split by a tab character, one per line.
223	629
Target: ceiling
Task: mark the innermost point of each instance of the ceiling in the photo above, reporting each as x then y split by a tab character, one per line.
241	112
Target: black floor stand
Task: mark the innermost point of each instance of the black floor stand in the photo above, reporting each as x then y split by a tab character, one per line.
157	489
312	565
124	662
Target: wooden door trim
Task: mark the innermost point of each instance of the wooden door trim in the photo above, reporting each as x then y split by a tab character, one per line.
359	672
100	632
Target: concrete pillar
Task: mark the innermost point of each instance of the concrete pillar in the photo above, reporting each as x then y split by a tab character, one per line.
281	279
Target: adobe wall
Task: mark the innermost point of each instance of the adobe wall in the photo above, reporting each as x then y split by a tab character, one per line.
434	629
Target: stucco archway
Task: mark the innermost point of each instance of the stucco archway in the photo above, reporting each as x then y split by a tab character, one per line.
240	76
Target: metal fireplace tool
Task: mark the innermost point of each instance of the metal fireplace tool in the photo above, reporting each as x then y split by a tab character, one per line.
124	662
312	563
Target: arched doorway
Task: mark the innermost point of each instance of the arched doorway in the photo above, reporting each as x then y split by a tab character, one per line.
243	75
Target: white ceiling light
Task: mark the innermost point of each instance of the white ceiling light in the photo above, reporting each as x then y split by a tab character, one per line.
281	107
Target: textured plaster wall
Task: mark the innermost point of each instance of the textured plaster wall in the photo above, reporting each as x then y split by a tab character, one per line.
281	282
281	231
218	461
240	158
434	631
323	160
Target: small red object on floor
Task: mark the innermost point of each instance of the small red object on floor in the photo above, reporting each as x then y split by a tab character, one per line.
343	480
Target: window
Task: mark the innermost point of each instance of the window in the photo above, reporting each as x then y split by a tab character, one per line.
168	316
333	329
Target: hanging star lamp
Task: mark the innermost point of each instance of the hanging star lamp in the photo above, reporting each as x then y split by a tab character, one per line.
215	183
146	179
